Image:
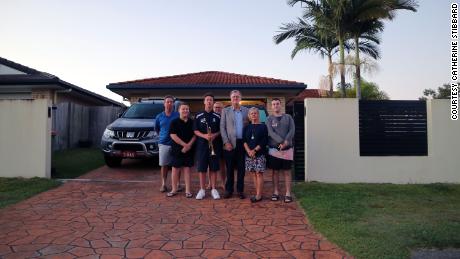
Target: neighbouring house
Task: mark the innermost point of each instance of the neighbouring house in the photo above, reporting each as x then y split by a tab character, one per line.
40	112
24	83
307	93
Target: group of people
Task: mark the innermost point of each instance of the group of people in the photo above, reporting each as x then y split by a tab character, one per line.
221	140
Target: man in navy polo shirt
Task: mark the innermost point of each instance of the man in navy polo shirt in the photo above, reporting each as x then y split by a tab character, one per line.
207	129
162	123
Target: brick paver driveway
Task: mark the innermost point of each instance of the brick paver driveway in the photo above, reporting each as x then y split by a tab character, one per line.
121	214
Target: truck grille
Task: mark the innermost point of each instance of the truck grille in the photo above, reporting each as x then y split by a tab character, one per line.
123	134
128	147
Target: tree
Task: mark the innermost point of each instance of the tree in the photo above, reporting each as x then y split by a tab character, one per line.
365	18
443	92
350	19
367	65
327	17
308	38
370	91
367	30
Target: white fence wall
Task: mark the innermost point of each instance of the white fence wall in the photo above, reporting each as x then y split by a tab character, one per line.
332	147
25	140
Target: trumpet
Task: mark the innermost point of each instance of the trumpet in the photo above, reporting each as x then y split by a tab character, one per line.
210	145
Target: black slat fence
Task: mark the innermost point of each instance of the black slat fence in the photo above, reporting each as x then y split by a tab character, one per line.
393	128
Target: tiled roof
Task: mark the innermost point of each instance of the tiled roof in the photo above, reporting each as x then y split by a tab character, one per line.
308	93
209	78
34	76
311	93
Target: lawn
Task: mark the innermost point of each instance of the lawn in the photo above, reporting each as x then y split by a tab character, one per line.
74	162
68	164
13	190
383	220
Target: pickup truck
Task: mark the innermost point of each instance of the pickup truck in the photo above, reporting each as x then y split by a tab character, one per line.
132	135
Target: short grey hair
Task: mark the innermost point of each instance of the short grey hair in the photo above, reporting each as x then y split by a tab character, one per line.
252	109
236	91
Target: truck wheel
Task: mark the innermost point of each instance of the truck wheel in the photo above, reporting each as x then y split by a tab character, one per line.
112	161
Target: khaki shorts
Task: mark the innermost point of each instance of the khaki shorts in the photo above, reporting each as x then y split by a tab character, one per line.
165	156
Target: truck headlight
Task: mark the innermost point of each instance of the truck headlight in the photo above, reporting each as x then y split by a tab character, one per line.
108	133
152	134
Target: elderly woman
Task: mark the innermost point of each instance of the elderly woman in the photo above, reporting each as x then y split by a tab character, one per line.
255	137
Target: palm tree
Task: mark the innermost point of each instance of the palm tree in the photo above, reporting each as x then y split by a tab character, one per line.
364	19
348	18
367	31
326	15
367	65
307	38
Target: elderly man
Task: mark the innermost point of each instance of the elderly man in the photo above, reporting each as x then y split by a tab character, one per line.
233	120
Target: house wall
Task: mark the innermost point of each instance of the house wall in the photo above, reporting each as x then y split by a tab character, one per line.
332	147
268	99
25	140
66	97
42	94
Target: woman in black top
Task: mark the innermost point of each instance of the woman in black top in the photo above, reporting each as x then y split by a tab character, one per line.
181	132
255	137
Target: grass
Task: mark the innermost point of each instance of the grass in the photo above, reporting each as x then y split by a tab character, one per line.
75	162
68	164
13	190
383	220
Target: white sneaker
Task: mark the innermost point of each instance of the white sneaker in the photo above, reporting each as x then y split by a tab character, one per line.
200	195
215	194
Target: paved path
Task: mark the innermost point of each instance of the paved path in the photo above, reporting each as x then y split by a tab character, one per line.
111	218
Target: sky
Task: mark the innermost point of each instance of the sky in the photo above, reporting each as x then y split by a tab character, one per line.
94	43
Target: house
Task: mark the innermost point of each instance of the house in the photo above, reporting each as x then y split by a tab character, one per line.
191	87
40	112
24	83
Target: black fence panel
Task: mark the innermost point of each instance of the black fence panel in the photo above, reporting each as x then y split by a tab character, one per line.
299	141
393	128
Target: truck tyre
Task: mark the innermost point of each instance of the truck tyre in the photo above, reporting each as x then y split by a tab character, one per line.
112	161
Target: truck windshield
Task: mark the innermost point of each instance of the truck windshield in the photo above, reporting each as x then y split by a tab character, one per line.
143	111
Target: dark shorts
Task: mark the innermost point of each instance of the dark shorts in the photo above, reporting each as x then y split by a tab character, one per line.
204	160
278	163
182	161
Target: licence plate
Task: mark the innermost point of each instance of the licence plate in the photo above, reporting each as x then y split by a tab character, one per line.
129	154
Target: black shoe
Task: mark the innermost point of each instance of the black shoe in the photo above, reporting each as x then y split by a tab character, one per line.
254	199
227	195
241	195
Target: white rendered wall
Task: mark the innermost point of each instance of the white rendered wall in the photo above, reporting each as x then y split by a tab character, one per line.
25	140
332	147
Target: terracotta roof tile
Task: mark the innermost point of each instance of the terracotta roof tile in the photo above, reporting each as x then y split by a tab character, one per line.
308	93
210	78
